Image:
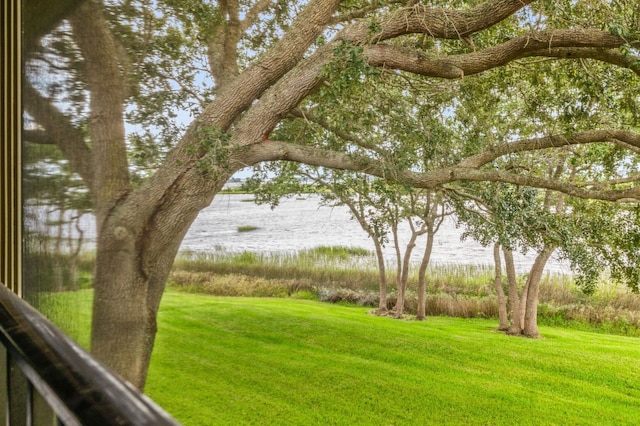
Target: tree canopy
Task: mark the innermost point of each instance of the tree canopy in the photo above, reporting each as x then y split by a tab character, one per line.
155	104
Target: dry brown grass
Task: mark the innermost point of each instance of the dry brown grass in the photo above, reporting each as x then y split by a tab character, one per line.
238	285
452	291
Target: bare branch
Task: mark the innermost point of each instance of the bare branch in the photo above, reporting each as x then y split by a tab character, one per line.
253	13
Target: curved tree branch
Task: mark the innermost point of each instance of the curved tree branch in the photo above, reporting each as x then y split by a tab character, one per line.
610	56
623	195
545	43
277	150
108	91
554	141
287	93
437	22
59	130
613	182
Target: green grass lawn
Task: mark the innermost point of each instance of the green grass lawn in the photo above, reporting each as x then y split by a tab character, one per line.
235	361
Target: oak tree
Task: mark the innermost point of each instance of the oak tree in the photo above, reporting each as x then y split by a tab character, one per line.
237	69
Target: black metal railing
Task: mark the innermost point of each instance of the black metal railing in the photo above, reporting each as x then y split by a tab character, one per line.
49	379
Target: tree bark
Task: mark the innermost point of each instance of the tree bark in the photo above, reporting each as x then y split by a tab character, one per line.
422	272
497	282
106	104
139	231
404	276
382	273
136	255
530	328
522	308
515	328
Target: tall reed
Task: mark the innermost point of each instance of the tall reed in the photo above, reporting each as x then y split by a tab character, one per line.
343	275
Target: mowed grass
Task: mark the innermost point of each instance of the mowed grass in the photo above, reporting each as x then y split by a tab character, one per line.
262	361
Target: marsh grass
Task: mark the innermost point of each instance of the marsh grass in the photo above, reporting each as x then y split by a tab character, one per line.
336	252
345	275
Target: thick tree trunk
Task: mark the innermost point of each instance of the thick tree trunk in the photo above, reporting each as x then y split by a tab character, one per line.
502	301
134	256
124	322
535	275
422	272
396	247
514	303
126	301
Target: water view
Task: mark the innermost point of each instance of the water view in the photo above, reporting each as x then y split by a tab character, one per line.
302	223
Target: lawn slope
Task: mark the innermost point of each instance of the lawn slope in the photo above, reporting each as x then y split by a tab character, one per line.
234	361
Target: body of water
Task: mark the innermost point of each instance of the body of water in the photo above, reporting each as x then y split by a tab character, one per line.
302	223
297	224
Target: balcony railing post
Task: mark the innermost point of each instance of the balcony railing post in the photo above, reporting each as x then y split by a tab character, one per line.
4	387
17	390
79	389
43	414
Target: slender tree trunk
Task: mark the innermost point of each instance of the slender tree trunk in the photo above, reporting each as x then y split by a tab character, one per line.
502	301
58	267
382	272
514	303
404	277
422	272
531	315
76	253
46	232
523	301
396	247
399	290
